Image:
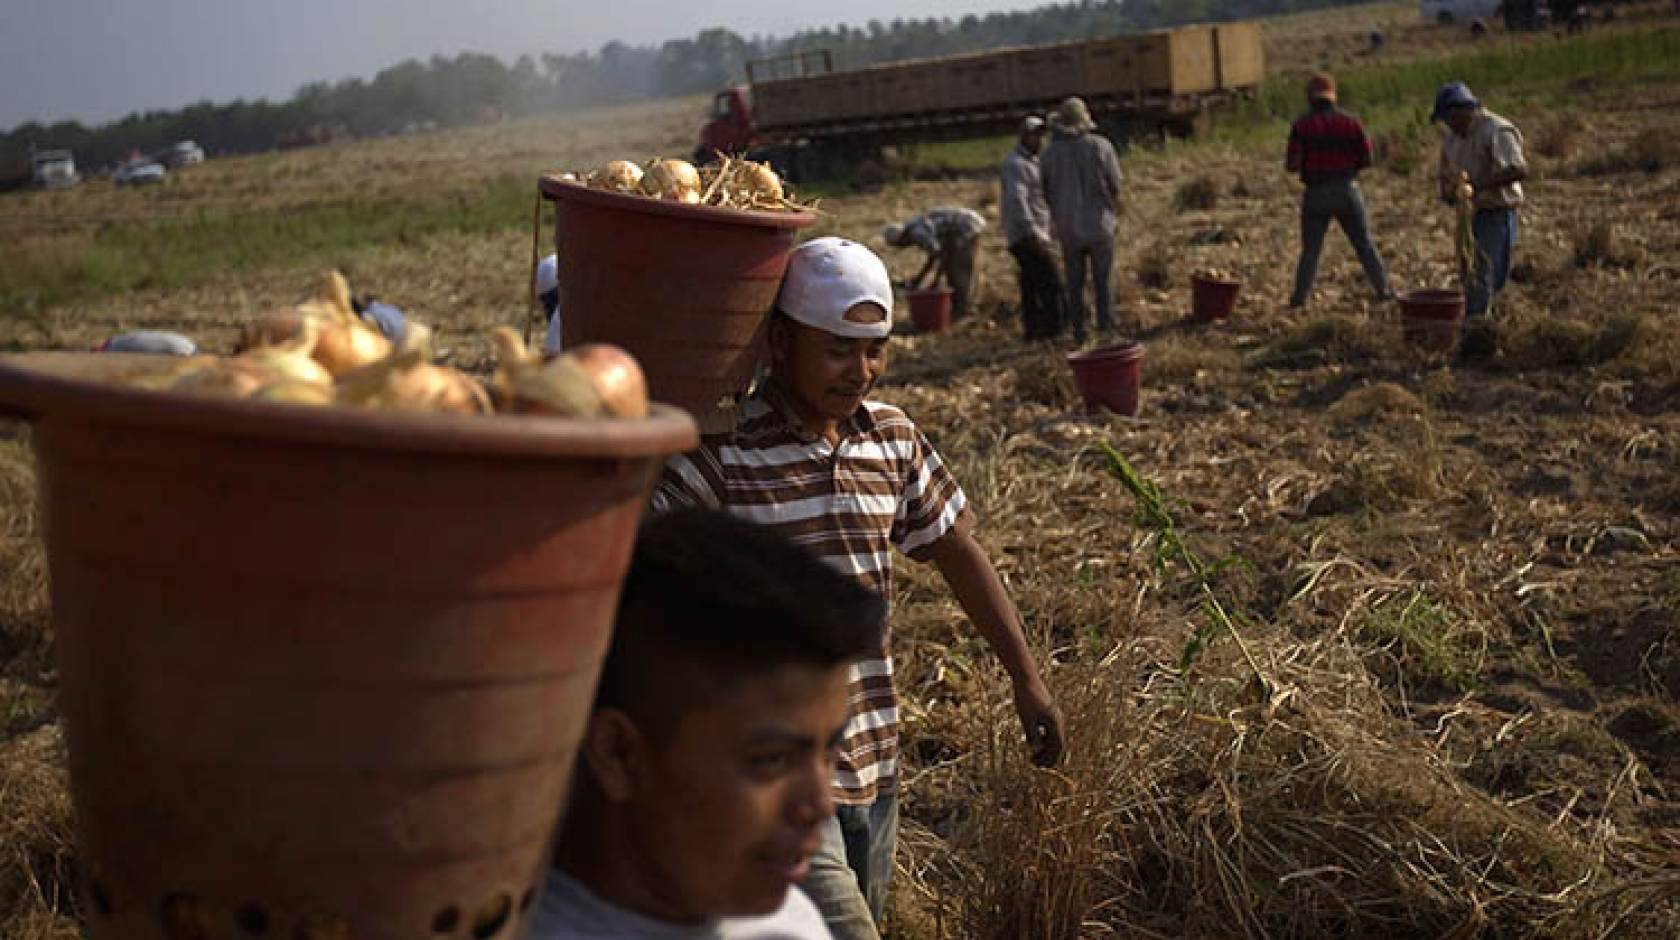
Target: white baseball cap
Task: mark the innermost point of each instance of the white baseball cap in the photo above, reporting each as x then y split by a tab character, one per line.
826	277
548	274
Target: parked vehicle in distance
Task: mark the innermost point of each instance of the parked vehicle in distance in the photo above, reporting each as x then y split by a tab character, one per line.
1447	12
183	153
53	169
140	173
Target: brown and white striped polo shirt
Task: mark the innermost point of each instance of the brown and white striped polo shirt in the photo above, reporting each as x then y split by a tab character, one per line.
881	486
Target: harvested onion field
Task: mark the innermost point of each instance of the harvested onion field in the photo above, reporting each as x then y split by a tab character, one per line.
1446	701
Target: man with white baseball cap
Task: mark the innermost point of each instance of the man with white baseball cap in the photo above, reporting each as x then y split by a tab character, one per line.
852	479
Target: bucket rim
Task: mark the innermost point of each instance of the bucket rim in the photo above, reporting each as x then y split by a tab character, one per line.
53	386
558	190
930	292
1124	352
1432	295
1222	281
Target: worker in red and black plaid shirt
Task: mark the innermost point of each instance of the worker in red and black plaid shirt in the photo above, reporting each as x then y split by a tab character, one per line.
1328	147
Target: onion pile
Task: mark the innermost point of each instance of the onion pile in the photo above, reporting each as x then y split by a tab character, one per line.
343	342
1219	274
731	183
320	353
590	381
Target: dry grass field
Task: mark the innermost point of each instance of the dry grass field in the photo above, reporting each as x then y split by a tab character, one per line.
1446	700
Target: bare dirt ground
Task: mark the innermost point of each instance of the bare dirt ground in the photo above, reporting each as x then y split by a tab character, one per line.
1450	704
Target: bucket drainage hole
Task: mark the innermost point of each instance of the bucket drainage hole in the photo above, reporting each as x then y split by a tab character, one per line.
494	916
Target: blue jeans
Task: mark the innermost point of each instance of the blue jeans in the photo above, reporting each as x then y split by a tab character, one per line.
1496	239
1335	201
851	871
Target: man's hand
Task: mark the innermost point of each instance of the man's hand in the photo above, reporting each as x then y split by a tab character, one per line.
980	591
1041	721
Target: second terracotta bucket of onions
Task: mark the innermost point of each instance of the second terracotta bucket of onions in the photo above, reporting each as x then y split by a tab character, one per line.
686	289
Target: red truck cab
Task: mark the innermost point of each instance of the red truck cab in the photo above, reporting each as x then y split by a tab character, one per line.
730	129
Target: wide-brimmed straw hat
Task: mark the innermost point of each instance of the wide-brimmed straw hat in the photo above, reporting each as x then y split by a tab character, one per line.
1073	115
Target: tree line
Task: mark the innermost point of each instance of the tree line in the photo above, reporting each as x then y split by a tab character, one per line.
475	88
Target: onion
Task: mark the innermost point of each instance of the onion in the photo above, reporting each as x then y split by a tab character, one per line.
292	359
406	381
1464	190
672	179
617	378
335	290
295	393
761	181
526	385
238	377
347	344
620	176
341	343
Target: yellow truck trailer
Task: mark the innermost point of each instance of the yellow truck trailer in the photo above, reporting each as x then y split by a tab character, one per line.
1165	81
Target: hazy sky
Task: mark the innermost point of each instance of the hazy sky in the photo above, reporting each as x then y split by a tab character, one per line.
96	60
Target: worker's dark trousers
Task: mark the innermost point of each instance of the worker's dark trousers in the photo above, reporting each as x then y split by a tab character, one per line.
1041	289
1339	201
1097	258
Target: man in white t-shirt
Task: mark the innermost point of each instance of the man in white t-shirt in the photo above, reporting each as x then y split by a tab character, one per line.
704	773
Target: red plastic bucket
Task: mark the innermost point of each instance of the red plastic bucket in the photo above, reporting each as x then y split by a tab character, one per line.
323	671
1432	319
930	310
1212	298
686	289
1109	377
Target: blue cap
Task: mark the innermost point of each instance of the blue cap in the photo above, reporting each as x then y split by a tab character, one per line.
1452	95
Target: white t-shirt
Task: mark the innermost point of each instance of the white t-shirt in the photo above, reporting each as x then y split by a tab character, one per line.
569	911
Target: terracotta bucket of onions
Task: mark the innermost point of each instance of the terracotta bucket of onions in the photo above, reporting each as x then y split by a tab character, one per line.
685	287
322	670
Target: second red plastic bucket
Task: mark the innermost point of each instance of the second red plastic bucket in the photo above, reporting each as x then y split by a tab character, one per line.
930	310
686	289
1432	319
1109	377
1212	298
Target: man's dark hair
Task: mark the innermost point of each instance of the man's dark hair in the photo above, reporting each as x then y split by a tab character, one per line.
711	599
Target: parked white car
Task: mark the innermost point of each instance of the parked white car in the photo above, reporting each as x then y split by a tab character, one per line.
139	174
185	153
1447	12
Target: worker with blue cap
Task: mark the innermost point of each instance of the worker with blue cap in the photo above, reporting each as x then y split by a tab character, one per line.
1487	150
